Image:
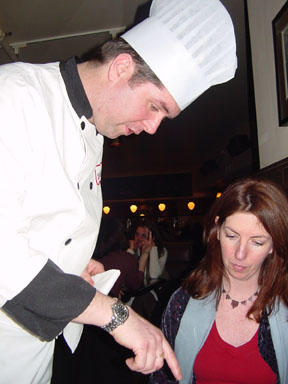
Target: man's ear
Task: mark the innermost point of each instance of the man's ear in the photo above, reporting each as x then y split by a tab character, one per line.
122	66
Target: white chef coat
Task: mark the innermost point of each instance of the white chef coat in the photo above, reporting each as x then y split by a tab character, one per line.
50	197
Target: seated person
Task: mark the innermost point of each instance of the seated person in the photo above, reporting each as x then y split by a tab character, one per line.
228	322
111	251
147	243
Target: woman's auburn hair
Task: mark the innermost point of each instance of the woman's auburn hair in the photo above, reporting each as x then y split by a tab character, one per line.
268	202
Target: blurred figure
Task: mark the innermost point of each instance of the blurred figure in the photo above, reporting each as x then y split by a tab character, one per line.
111	251
147	244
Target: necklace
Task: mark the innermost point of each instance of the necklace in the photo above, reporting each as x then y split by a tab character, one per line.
235	303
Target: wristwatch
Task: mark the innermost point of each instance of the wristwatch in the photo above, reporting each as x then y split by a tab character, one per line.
120	314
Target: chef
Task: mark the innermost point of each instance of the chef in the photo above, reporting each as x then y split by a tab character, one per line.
54	117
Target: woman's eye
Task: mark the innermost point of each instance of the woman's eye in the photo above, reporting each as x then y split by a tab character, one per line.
258	243
230	236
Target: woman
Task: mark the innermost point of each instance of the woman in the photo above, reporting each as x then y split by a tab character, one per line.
229	321
147	244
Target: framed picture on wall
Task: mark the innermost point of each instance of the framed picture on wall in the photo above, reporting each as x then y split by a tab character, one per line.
280	36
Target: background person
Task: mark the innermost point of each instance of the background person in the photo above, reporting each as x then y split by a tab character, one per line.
148	247
111	252
54	117
228	323
147	244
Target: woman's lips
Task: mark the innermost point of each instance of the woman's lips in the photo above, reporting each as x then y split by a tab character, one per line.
238	268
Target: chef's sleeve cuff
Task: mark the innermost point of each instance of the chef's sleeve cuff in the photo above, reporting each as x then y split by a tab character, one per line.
51	300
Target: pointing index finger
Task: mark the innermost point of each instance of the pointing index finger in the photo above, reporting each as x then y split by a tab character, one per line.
171	360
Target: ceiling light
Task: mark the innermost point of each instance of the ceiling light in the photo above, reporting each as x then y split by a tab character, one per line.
133	208
161	207
191	205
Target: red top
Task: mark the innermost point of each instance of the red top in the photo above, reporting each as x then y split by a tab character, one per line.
219	362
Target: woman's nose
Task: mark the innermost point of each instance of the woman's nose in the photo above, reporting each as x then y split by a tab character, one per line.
241	251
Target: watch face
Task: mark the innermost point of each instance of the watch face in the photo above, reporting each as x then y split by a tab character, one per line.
121	311
120	314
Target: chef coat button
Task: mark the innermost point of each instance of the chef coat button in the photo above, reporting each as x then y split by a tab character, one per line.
91	185
83	125
68	241
78	185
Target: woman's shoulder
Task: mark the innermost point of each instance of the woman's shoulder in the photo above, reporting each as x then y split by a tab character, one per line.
155	250
176	306
173	314
178	301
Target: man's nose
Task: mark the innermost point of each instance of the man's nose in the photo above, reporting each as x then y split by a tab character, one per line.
151	126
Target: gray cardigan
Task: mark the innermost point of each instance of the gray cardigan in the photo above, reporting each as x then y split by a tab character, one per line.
197	322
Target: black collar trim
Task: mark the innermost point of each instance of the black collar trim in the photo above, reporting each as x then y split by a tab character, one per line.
75	89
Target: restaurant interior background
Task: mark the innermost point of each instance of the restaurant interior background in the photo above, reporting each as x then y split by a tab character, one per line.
189	159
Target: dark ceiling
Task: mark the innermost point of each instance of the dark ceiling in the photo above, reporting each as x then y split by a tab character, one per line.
212	141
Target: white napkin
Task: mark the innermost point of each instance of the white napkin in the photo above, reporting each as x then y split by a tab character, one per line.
103	282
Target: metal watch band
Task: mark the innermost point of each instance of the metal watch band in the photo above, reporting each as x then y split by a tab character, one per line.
120	314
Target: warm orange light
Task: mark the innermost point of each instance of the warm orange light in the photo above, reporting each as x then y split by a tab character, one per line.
162	207
133	208
106	209
191	205
142	214
219	194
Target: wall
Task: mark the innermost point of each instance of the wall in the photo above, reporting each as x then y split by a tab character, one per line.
273	140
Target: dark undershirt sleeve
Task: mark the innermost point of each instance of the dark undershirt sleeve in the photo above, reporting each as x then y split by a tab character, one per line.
50	302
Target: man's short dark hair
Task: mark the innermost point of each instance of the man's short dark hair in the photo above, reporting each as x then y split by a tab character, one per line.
113	48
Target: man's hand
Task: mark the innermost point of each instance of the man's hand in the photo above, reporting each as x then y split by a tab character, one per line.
92	268
146	341
148	344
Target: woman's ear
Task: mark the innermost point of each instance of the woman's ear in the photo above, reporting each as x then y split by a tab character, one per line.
271	251
122	66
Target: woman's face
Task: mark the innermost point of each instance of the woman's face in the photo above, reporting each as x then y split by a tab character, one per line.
141	234
245	244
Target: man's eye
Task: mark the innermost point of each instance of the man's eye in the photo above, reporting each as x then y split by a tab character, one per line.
154	108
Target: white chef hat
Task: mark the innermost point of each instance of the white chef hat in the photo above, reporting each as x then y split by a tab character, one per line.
189	44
